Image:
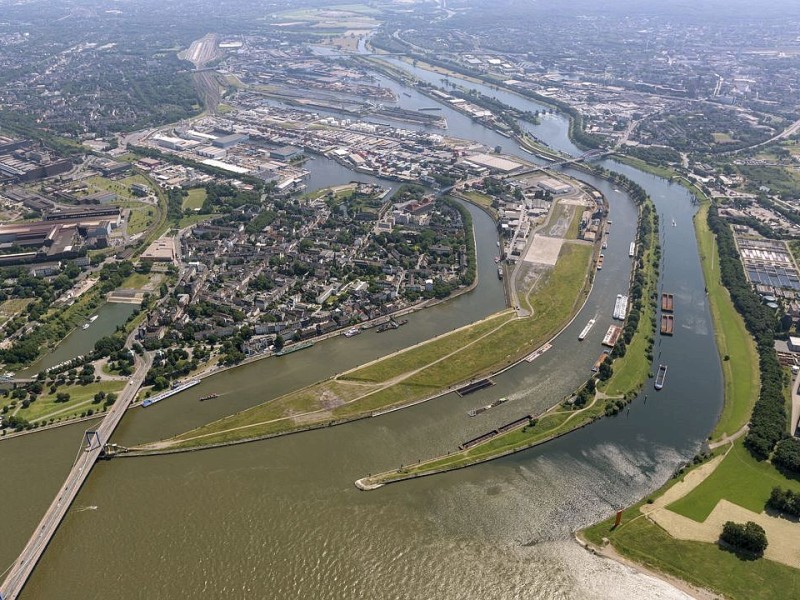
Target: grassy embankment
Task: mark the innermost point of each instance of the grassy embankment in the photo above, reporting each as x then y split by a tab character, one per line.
414	374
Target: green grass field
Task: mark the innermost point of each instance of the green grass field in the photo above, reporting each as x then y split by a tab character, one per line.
740	371
140	219
45	407
740	479
701	564
195	199
136	281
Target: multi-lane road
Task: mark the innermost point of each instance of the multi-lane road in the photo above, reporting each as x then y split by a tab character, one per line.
24	565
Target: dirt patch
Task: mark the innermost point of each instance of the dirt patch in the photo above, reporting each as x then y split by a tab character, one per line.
544	250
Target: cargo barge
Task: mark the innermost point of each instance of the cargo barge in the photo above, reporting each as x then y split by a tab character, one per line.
612	335
390	325
667	324
537	353
474	387
476	411
600	360
667	302
208	397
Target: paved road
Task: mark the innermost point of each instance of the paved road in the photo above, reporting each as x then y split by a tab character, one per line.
25	563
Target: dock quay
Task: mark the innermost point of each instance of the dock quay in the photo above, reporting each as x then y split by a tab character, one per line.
667	302
474	387
176	389
667	324
612	335
537	353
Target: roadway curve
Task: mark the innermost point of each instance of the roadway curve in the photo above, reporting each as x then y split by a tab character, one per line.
44	532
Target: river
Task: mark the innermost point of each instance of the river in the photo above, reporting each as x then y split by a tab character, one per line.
282	519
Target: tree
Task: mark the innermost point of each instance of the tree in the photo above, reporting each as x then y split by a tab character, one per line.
750	537
62	397
279	342
787	454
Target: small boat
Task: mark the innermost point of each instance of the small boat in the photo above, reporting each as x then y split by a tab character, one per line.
674	224
632	249
600	260
586	330
352	332
605	243
209	397
406	94
498	243
496	259
660	377
499	272
93	318
86	325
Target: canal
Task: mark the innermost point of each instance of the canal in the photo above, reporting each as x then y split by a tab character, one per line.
282	519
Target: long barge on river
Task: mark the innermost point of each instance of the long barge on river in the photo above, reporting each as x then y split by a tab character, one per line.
632	249
661	376
476	411
175	389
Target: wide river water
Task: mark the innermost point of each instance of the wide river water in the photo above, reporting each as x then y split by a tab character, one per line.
281	518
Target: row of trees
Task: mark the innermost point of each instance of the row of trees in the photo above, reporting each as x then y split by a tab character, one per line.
768	422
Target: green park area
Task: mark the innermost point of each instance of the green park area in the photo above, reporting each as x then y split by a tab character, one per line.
702	564
420	372
141	217
740	479
64	402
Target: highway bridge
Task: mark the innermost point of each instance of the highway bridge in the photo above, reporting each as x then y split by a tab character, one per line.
591	155
95	440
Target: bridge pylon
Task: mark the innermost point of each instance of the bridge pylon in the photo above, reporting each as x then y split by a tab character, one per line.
92	441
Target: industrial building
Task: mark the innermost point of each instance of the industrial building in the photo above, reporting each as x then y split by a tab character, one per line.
230	140
285	153
162	250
